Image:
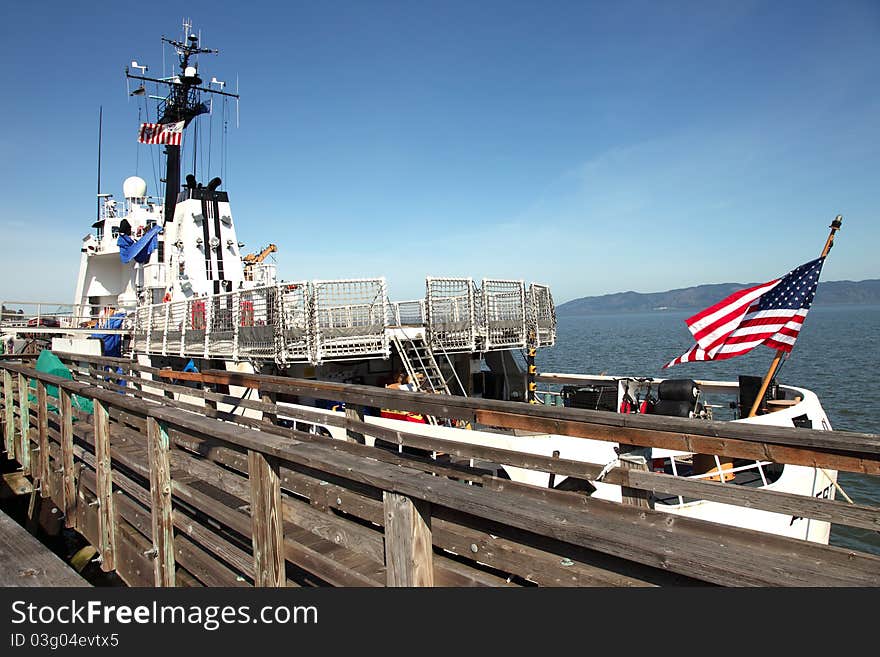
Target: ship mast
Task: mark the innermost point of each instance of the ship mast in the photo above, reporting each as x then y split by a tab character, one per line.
183	103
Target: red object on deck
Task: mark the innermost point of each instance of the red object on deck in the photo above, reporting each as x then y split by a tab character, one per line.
402	415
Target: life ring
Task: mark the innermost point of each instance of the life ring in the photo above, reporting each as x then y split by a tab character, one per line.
167	297
140	231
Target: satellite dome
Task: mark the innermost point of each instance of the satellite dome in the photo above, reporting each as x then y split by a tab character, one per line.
134	187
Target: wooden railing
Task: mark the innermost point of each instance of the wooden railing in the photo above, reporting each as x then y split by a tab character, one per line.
175	492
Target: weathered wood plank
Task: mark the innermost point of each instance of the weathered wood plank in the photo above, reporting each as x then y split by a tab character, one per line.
23	449
266	515
160	492
68	470
43	434
356	414
633	458
408	545
835	450
106	515
24	561
452	406
646	539
9	402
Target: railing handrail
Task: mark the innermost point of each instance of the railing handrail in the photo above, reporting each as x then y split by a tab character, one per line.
642	536
849	451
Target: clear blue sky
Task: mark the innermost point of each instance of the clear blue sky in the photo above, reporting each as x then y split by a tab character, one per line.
597	147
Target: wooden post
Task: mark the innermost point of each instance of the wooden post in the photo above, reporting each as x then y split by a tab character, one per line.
409	558
23	451
835	226
210	403
10	414
634	458
68	474
356	414
43	433
104	476
268	533
160	493
269	398
3	412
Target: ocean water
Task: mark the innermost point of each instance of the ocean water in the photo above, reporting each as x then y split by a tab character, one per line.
835	356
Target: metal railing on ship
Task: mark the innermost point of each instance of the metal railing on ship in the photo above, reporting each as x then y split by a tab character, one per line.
314	321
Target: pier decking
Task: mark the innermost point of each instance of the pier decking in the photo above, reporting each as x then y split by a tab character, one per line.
187	481
24	561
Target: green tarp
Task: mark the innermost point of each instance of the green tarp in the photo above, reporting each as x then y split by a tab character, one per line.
49	363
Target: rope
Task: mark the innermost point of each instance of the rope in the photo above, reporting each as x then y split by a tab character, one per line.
613	463
837	486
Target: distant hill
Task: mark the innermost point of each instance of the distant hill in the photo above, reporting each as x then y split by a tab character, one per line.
702	296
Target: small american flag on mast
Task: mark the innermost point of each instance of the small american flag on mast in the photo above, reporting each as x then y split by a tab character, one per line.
771	314
169	134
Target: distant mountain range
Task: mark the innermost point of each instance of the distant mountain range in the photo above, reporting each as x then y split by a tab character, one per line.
703	296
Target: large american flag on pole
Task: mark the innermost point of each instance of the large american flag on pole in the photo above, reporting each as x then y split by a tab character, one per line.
161	133
771	314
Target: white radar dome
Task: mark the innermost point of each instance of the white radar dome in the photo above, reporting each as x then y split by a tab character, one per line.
134	187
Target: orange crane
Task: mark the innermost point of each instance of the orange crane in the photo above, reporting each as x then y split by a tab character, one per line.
252	259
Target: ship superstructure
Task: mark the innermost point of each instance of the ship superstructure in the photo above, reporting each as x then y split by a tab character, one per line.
174	268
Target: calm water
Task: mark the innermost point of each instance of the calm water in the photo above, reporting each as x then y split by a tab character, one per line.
836	357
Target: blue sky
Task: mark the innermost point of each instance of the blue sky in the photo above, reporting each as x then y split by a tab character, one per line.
597	147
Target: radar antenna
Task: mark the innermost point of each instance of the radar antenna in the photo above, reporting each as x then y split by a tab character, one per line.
183	103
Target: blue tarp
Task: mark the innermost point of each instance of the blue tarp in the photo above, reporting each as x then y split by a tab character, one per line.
112	343
140	250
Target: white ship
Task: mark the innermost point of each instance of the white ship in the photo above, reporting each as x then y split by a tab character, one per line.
168	277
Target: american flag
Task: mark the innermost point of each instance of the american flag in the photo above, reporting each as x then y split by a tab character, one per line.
771	314
161	133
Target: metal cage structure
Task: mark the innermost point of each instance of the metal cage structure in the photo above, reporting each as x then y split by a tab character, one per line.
317	321
451	314
504	314
350	317
542	316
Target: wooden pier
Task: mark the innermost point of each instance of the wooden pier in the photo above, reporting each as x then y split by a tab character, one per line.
24	561
174	486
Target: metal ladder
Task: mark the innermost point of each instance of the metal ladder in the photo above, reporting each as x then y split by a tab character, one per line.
418	358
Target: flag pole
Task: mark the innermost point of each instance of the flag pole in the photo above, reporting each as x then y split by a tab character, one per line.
835	226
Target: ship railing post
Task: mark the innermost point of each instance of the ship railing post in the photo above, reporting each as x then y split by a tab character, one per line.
23	450
161	511
43	438
68	474
484	295
149	342
266	519
236	323
10	414
278	323
383	293
104	477
209	317
165	329
472	313
187	310
409	556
